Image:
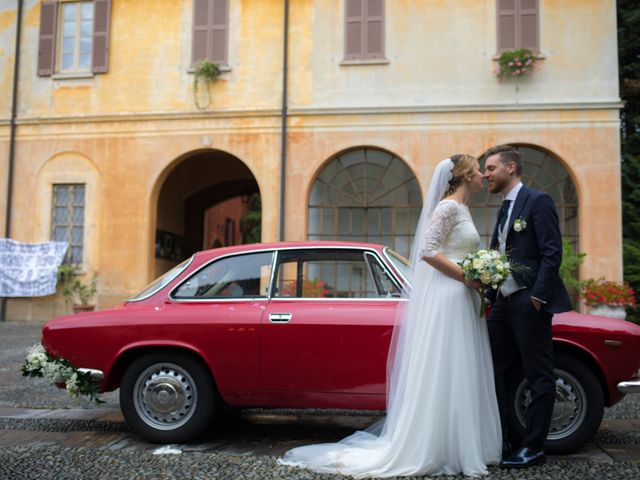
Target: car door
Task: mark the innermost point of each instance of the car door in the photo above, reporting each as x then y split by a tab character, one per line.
328	325
218	309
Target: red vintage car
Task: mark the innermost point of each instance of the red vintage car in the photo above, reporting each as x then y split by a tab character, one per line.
301	325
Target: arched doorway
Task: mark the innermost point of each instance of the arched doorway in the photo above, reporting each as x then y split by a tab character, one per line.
365	194
542	171
205	202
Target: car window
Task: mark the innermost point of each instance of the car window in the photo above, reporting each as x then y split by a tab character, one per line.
324	273
400	262
240	276
161	281
385	285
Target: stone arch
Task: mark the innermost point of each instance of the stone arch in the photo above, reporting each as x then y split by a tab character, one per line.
365	194
545	171
183	196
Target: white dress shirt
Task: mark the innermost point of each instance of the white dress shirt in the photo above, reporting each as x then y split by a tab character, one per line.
510	285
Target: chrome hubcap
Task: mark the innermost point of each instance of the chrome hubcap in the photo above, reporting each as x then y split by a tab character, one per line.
569	409
165	396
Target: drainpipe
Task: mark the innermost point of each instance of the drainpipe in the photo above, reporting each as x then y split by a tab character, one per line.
283	143
12	142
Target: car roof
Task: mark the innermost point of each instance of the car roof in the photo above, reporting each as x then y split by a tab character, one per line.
283	245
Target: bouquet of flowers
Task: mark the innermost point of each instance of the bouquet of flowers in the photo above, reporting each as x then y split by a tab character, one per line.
61	372
489	267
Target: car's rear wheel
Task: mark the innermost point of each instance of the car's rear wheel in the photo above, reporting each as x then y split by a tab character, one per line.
167	398
578	408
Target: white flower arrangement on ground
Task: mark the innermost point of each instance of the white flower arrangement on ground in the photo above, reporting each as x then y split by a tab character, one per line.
489	267
60	371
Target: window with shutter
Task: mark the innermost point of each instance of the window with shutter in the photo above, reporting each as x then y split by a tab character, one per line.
210	31
364	29
101	22
517	25
47	41
74	37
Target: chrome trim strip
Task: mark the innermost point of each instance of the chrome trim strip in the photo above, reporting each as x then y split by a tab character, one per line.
632	386
273	272
162	286
387	255
219	300
338	299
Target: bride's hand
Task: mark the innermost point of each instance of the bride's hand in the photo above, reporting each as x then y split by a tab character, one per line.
475	285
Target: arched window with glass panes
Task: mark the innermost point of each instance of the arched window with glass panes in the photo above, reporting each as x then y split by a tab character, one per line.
368	195
541	171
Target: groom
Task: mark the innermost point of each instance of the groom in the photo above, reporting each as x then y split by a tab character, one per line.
522	308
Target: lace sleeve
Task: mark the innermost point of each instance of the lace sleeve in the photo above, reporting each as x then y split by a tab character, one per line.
442	222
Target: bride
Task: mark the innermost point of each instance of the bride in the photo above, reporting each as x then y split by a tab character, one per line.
442	415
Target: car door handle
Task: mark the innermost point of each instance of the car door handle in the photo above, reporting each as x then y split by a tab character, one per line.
279	317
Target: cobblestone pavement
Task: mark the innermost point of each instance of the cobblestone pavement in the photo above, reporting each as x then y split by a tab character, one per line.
44	434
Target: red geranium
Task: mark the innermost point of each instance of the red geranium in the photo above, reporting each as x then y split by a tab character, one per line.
310	289
603	292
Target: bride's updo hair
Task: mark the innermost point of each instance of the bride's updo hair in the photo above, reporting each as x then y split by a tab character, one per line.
462	165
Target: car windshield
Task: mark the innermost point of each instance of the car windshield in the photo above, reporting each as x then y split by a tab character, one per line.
400	262
161	281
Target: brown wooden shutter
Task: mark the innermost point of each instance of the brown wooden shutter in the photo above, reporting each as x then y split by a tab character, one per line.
374	11
529	25
47	41
506	10
101	21
201	20
354	30
219	27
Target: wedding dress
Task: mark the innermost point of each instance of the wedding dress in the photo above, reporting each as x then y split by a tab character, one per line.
442	414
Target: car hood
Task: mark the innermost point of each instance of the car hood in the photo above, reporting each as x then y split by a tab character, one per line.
581	321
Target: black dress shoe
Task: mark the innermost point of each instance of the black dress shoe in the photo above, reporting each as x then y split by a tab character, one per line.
523	458
506	449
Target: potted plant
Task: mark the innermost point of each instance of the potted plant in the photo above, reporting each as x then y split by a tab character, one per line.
75	292
515	63
571	261
204	71
607	298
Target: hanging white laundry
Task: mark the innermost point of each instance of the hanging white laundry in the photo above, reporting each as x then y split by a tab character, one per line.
29	269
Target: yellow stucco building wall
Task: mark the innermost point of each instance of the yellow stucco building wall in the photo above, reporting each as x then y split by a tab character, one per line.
124	132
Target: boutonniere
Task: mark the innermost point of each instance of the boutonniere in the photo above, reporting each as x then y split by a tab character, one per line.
520	224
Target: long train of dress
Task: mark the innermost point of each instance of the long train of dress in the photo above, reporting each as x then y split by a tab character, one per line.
443	416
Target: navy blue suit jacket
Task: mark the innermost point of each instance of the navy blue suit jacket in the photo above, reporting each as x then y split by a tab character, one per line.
538	248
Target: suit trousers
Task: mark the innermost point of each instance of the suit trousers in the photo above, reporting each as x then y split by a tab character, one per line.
518	331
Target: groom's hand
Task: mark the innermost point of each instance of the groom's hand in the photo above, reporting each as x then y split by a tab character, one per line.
537	304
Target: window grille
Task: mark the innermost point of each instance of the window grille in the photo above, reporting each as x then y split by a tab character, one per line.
68	219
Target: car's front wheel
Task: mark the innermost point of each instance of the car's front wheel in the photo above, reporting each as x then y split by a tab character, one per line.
578	408
167	398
